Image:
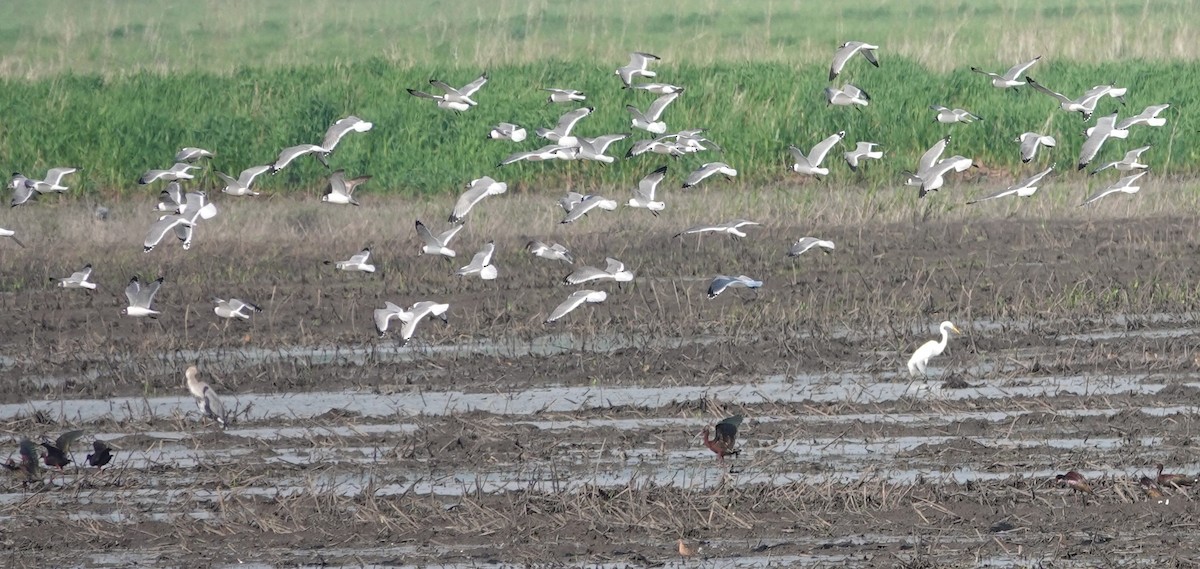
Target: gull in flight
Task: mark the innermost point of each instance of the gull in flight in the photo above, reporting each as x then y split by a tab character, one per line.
811	164
291	153
11	235
437	244
1105	128
410	317
950	116
78	279
341	190
481	264
1086	103
561	133
594	148
453	99
358	262
722	282
191	154
53	180
195	206
1148	117
862	151
846	51
920	358
732	227
180	171
1030	141
554	252
584	204
1128	162
478	189
140	297
651	120
206	399
659	145
159	229
241	186
643	195
614	270
707	170
22	190
575	300
564	95
333	135
638	63
803	244
1123	185
848	95
931	171
234	308
548	152
657	88
1024	189
1010	78
507	131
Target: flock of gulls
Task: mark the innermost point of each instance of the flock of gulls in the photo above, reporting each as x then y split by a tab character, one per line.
180	211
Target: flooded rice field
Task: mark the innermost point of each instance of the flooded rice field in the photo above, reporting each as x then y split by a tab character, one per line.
494	440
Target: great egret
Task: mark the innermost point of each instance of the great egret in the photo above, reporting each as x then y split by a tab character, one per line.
920	358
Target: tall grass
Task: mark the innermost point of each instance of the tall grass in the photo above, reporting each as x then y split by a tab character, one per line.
113	38
118	127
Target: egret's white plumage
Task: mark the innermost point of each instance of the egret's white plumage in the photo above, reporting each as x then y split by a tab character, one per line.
920	358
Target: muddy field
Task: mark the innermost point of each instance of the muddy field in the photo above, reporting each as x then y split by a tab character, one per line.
495	440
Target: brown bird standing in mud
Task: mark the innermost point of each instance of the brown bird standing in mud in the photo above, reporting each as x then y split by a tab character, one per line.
724	437
1075	481
1150	487
102	454
29	460
1174	479
56	454
686	550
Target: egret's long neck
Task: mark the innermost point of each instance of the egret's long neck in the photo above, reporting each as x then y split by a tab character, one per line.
945	340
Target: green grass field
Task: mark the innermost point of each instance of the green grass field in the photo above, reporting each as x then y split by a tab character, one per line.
117	87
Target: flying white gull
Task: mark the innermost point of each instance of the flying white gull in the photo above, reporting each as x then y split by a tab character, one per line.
78	279
804	244
594	148
722	282
159	229
862	151
1148	117
53	180
949	116
341	190
241	186
1030	141
1128	162
657	88
180	171
1124	185
564	95
1105	128
586	205
651	120
1010	78
561	133
811	164
643	195
1086	103
477	189
614	270
453	99
548	152
706	170
638	63
507	131
732	227
554	252
575	300
11	235
481	264
234	308
846	51
848	95
437	244
1024	189
141	297
358	262
192	154
411	317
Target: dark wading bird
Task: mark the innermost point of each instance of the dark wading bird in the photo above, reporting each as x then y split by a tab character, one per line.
56	454
1174	479
1150	487
724	437
29	460
1075	481
101	456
